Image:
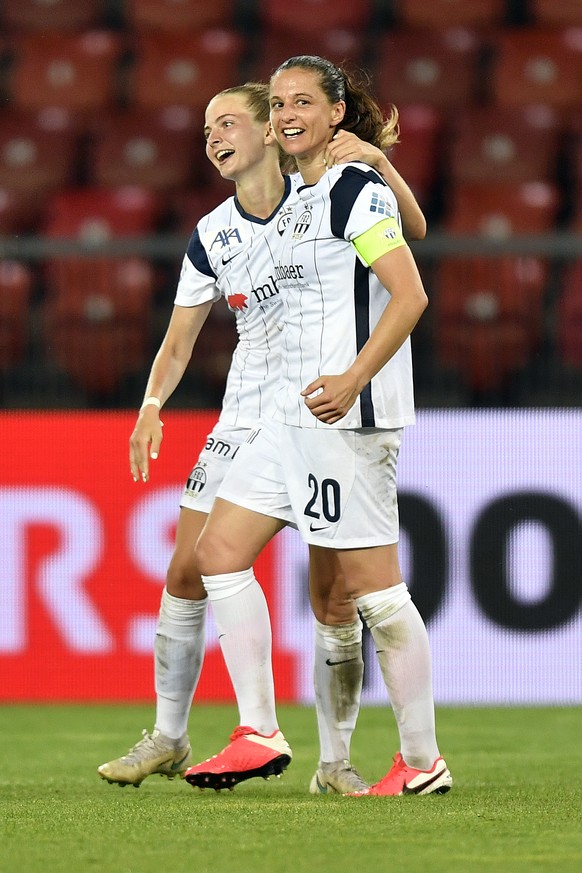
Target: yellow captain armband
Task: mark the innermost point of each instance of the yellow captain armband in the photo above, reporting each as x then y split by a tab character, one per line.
380	239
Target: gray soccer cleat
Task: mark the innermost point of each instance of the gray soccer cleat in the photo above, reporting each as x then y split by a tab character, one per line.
154	753
338	777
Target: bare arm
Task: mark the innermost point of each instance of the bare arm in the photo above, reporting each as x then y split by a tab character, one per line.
347	146
167	370
396	270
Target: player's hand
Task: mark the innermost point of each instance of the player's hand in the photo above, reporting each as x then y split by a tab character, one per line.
346	146
330	398
145	442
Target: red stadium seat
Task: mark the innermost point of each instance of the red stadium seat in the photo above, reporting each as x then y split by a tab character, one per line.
96	214
15	287
489	310
97	329
160	149
38	151
20	212
435	67
488	317
502	209
41	15
538	65
417	155
76	72
178	15
214	347
341	46
575	159
569	317
304	17
549	12
184	69
190	206
93	215
504	145
450	13
98	309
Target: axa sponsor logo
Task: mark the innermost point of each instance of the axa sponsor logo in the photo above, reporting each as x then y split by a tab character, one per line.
226	237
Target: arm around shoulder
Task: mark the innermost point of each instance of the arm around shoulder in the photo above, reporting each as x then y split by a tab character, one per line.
346	146
413	220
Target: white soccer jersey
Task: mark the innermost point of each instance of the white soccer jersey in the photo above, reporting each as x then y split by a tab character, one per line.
333	301
230	254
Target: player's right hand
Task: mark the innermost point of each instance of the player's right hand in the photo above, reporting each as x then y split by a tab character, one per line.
145	442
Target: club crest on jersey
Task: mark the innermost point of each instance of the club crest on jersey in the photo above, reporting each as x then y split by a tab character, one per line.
226	237
302	224
237	301
381	206
284	219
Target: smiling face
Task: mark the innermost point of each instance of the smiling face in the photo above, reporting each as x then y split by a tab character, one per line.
302	116
235	139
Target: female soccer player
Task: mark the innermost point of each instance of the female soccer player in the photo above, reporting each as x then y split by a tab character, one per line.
229	255
352	295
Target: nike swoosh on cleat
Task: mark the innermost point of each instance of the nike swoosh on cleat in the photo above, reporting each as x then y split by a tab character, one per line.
331	663
177	764
419	788
321	788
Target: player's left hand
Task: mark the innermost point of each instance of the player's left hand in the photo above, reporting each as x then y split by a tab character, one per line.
346	146
330	398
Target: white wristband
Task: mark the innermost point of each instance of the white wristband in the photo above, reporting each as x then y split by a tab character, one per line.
151	401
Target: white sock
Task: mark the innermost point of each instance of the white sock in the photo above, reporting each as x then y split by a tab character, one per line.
338	674
244	631
178	656
404	656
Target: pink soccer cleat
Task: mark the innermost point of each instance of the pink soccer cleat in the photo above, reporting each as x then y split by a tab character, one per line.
248	754
402	779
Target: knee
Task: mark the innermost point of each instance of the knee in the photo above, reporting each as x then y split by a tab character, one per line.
183	578
213	554
334	610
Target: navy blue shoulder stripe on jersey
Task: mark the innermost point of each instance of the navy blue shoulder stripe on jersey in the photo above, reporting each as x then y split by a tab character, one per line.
344	194
362	311
254	218
197	254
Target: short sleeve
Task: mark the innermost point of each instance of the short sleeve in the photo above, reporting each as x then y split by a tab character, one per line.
197	282
360	199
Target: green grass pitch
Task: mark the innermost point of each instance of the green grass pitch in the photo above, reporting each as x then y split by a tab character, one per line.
516	804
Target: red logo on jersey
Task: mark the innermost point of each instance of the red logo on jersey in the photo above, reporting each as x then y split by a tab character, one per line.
237	301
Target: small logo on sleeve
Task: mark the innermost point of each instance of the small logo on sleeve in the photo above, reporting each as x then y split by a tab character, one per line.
380	206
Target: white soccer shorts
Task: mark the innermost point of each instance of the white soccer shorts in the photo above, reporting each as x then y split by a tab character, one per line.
338	486
221	446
